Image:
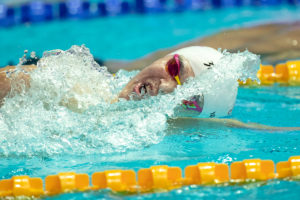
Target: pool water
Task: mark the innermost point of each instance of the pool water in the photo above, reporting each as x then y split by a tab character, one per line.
133	36
39	137
191	145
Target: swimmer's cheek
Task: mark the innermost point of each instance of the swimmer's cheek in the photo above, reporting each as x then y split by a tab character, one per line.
167	86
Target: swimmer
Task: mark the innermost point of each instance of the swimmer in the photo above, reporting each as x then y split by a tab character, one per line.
164	75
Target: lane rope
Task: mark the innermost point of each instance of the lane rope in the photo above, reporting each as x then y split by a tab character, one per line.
285	74
152	179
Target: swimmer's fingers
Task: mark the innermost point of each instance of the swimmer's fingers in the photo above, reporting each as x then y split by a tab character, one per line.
115	100
257	126
271	128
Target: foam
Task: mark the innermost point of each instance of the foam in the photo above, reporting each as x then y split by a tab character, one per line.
35	122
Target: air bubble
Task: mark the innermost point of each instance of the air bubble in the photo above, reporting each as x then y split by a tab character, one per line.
33	54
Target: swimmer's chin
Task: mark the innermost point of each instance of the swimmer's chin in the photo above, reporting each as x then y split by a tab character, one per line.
134	96
131	96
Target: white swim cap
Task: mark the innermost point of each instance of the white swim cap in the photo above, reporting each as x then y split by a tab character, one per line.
220	100
200	58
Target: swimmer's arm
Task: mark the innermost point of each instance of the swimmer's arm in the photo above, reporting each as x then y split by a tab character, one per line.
5	85
215	123
26	68
255	126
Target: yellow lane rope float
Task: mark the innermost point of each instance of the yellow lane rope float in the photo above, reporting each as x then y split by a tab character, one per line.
152	179
284	74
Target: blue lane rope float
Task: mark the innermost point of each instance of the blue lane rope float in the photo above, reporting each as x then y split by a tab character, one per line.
40	11
154	178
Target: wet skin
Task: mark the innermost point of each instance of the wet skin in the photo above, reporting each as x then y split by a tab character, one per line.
155	78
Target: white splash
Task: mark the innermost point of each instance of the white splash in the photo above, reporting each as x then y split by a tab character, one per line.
68	110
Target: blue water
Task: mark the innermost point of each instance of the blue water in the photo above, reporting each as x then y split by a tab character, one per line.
276	106
133	36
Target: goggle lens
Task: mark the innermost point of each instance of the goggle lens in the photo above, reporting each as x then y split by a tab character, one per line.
173	68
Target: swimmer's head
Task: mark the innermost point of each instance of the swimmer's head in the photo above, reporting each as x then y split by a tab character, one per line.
191	61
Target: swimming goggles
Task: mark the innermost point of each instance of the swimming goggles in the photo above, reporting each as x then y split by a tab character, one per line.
173	68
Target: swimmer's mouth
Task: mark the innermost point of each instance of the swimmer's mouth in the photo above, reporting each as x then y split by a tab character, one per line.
143	88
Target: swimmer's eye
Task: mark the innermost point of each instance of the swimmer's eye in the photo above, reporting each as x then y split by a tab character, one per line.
173	68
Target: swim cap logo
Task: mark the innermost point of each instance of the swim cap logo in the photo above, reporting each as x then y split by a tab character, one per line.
209	65
212	115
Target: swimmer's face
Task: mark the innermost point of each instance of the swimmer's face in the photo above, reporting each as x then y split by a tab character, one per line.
155	78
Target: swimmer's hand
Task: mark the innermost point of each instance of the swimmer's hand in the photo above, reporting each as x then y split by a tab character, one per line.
221	123
73	102
115	100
